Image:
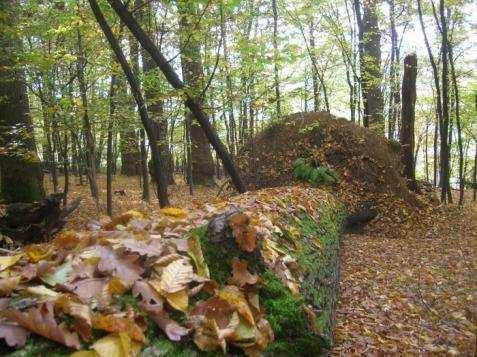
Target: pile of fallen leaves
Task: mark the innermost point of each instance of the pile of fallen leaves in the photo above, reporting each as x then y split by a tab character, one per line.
73	287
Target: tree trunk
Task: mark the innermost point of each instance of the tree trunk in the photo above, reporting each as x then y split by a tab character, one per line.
408	117
90	156
370	64
445	166
20	168
146	196
192	72
129	148
158	160
172	77
275	59
459	127
109	146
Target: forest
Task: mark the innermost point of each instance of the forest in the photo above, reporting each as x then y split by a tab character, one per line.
238	177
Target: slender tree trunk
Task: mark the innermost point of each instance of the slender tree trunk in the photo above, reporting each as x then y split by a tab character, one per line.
426	154
172	77
228	80
159	161
445	167
408	117
87	130
275	59
474	180
394	96
459	127
109	147
146	196
66	171
21	177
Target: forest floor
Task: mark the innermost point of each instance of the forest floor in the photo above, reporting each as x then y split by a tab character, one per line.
408	295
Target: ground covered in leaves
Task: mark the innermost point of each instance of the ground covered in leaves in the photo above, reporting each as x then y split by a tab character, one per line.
415	294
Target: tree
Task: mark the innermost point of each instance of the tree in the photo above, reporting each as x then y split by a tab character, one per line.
193	74
191	102
408	117
21	171
370	64
159	161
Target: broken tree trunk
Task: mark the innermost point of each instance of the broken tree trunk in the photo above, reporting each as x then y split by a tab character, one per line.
408	118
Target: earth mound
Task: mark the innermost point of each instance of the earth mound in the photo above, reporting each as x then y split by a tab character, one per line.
367	166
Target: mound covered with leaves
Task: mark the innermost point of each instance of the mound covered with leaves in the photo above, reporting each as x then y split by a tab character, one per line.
255	274
354	163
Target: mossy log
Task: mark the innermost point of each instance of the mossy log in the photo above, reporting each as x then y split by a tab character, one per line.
306	233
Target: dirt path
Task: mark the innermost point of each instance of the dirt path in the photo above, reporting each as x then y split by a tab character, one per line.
414	295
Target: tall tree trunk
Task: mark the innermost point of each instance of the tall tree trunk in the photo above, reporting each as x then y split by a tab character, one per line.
394	96
459	127
159	161
192	72
370	64
155	104
191	103
445	166
87	130
228	82
21	175
276	73
408	117
146	196
109	145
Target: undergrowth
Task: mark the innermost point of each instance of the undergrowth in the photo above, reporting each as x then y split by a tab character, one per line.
315	174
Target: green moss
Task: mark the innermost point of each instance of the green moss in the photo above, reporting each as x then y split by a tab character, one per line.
288	320
217	258
36	346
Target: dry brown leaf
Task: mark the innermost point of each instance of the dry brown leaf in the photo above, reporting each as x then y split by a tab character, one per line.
171	328
14	335
240	275
236	298
112	323
7	285
175	276
148	294
244	234
42	321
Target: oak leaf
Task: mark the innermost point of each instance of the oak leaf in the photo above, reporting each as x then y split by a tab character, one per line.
245	235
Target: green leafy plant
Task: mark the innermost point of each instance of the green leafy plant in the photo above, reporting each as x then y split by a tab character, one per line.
317	175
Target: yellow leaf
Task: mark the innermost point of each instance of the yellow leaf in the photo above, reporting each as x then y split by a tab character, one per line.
42	291
84	354
37	252
8	261
235	297
178	300
174	212
116	345
195	253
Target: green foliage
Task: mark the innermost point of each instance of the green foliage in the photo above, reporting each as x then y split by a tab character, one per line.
317	176
288	320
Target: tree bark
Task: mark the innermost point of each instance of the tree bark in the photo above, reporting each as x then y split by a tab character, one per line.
146	196
192	72
370	64
172	77
458	122
87	130
445	166
109	147
275	59
159	161
155	105
20	168
408	117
